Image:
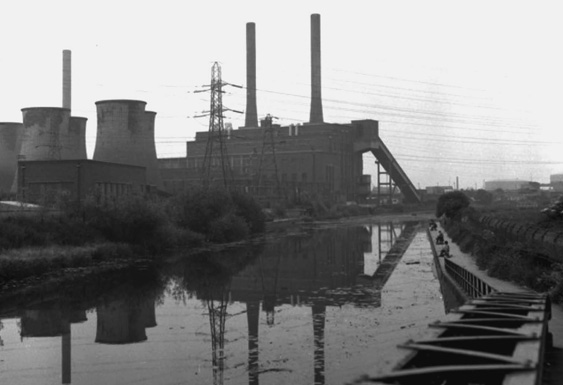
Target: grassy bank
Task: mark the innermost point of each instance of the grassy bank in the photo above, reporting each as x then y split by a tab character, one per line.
509	259
122	231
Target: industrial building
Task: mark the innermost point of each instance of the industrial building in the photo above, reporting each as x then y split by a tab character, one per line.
45	156
506	184
314	160
45	181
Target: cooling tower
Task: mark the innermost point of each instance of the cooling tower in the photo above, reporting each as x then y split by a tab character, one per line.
66	79
316	112
124	136
10	144
43	128
251	119
73	139
153	172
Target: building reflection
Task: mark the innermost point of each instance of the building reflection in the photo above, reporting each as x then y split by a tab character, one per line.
316	270
53	322
321	269
124	320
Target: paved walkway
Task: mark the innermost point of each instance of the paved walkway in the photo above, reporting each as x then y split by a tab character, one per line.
554	356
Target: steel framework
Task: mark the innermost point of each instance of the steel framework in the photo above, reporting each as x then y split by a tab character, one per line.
216	150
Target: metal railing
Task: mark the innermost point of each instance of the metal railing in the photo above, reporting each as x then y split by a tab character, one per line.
472	285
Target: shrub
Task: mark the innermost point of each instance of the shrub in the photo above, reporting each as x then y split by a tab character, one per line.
219	215
132	220
198	208
228	228
250	210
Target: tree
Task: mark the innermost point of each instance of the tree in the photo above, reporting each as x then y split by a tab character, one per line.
450	204
484	197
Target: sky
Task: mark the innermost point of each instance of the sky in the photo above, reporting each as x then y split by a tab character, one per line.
468	90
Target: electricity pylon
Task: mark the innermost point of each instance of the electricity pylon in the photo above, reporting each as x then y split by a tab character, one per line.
216	148
269	152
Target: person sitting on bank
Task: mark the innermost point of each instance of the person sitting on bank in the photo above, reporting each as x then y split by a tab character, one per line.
440	238
445	250
432	225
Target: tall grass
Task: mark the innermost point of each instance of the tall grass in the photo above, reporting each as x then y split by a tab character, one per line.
34	261
508	260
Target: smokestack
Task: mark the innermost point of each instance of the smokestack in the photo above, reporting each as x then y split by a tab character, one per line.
66	79
316	115
251	119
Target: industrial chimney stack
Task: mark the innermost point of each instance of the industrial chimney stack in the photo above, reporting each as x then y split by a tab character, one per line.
66	79
251	119
316	114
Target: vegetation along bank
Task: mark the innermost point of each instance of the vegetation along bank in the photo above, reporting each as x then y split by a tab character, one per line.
507	255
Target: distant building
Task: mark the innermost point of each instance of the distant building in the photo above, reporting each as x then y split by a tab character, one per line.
506	184
438	190
556	182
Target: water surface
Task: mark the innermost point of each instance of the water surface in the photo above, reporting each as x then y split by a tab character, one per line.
316	307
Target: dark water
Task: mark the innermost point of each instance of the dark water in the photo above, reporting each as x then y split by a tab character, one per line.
317	307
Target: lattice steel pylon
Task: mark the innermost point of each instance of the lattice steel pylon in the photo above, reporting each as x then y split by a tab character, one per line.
216	149
268	153
217	316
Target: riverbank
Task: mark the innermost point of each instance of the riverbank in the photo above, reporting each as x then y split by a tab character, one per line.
29	269
553	371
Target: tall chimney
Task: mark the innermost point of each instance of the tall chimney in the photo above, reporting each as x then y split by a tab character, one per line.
251	119
316	115
66	79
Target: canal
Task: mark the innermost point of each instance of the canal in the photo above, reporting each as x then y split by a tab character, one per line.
317	306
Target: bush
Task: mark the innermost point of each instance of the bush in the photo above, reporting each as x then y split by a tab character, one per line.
451	204
219	215
248	209
228	228
198	208
132	220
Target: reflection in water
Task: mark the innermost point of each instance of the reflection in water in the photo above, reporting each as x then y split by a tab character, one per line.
53	322
317	270
321	269
217	313
382	238
124	320
253	318
319	315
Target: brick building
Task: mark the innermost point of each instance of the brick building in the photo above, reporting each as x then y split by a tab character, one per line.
321	161
42	181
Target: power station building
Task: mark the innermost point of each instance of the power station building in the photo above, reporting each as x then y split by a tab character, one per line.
317	160
314	160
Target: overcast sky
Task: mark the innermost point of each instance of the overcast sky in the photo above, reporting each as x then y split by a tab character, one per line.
466	89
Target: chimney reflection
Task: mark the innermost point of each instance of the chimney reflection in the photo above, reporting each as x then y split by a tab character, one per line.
51	323
253	320
319	316
320	270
